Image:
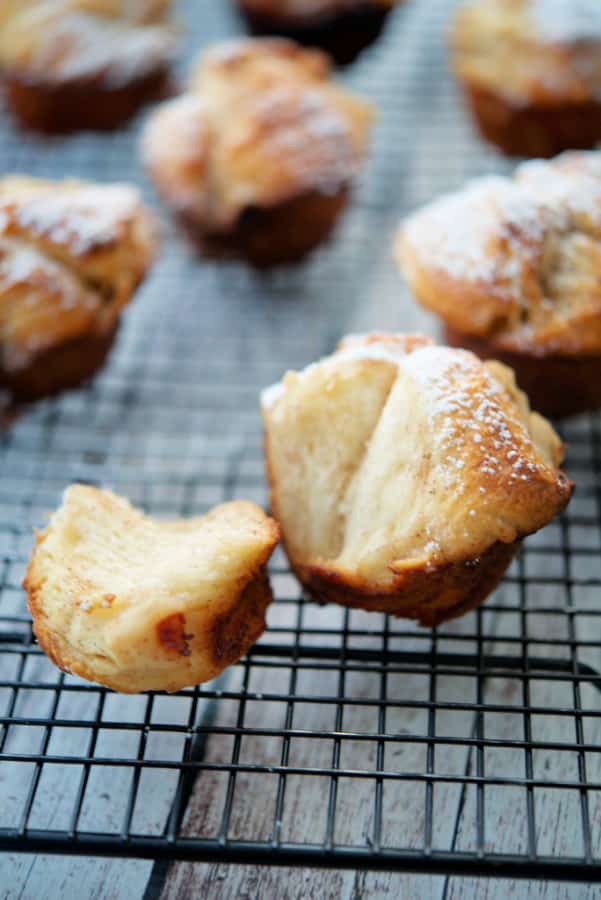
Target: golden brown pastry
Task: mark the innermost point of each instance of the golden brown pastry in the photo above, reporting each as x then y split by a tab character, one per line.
404	475
258	158
140	604
83	64
71	255
531	70
513	268
341	27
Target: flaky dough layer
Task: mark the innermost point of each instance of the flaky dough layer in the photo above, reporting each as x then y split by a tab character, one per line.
514	260
404	475
530	52
259	154
531	71
71	257
73	64
140	604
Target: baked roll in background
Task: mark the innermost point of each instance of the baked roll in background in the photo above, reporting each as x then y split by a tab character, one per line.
531	70
343	28
83	64
71	256
139	604
404	475
513	268
257	159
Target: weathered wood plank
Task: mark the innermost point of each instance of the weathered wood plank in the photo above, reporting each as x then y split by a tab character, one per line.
303	815
420	149
558	829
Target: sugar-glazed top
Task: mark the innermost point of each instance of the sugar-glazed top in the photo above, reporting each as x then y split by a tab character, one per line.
262	123
517	259
71	255
530	51
59	41
394	451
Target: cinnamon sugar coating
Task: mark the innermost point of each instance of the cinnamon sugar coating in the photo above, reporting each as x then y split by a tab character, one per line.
514	265
73	64
515	259
138	604
532	72
404	475
71	257
258	157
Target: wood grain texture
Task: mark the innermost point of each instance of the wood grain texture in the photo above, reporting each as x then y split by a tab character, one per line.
420	169
304	812
423	145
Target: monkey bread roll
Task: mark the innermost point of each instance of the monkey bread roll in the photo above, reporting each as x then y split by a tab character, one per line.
531	71
513	268
404	475
258	158
137	603
343	28
72	254
83	64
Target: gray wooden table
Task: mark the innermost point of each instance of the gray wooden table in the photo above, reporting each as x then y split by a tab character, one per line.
173	423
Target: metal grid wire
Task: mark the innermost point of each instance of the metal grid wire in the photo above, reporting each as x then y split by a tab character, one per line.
343	739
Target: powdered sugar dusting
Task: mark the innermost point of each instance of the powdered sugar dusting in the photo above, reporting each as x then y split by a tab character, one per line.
278	125
569	187
354	347
22	266
468	420
306	133
459	233
80	45
82	219
471	425
446	469
494	236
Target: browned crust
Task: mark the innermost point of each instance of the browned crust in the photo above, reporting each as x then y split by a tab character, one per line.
52	647
235	632
430	595
80	104
172	635
45	637
557	386
59	368
232	636
283	233
534	130
342	35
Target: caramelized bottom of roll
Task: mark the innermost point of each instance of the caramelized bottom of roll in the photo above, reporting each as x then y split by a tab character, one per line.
59	368
430	596
343	36
533	130
81	104
283	233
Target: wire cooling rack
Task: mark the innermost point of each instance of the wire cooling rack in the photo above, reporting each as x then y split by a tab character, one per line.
343	739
